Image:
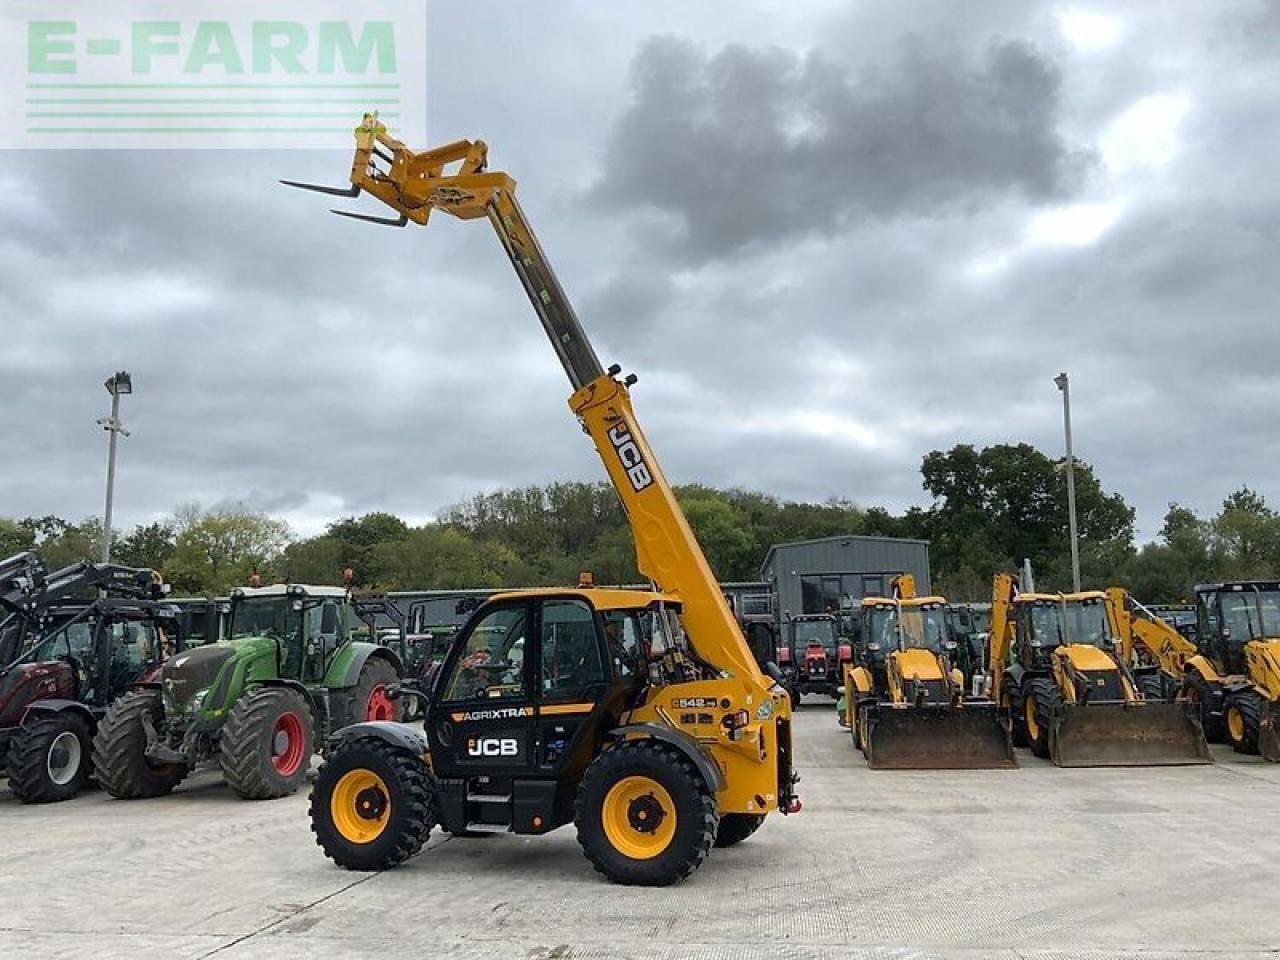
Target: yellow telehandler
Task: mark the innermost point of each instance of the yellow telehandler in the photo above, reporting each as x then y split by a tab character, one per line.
1230	675
1057	663
904	702
640	716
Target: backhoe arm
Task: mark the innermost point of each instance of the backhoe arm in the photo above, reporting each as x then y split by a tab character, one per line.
1003	591
1135	624
668	554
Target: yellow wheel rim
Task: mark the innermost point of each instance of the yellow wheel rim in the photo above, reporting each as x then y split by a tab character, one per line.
1235	724
1033	728
639	817
360	806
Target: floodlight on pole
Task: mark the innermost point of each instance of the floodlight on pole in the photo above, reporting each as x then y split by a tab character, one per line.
1064	384
117	385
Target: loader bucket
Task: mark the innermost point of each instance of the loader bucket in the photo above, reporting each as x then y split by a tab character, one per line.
1119	734
973	737
1268	735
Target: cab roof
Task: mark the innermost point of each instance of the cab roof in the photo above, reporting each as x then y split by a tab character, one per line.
289	589
600	598
905	602
1059	597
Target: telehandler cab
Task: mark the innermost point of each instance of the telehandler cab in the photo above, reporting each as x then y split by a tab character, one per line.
1231	674
913	712
1058	663
259	702
640	716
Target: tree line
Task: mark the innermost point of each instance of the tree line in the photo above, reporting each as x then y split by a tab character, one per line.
989	509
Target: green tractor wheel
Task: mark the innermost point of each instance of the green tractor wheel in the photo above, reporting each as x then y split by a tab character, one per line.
266	743
369	699
119	750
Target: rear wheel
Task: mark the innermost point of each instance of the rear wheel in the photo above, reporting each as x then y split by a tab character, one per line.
1041	699
736	827
49	758
266	743
644	814
371	805
1242	712
120	750
369	700
1198	693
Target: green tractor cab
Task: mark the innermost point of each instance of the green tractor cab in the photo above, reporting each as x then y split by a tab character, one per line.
260	702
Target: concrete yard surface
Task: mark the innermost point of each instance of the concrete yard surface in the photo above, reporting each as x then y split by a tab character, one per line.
1040	862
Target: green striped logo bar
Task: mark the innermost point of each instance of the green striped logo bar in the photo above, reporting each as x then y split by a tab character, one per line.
210	73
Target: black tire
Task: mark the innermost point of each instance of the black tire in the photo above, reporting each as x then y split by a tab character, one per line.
1016	716
736	827
408	798
1044	694
255	763
1242	716
693	804
1197	690
376	674
860	734
119	750
1152	686
50	758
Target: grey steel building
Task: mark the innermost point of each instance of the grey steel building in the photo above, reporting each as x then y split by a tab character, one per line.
835	573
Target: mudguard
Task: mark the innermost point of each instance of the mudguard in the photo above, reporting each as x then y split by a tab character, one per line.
397	734
345	671
681	741
57	706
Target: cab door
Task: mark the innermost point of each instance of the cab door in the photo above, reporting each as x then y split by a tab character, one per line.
574	686
483	723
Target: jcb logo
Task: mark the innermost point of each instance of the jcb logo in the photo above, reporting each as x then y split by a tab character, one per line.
492	747
629	454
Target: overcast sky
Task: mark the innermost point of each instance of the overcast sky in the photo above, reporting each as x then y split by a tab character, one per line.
828	236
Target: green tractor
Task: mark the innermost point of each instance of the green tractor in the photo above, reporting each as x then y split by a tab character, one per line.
260	702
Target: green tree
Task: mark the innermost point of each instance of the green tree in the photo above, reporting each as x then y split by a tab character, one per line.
14	538
358	538
147	546
445	558
994	507
219	549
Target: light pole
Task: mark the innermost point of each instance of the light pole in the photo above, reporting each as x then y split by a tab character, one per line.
1064	384
117	385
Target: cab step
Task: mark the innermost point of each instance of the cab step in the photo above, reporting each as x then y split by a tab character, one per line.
488	828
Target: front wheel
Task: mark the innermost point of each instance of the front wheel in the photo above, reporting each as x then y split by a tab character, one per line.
120	749
1243	714
645	815
371	806
266	743
1041	700
1199	694
49	760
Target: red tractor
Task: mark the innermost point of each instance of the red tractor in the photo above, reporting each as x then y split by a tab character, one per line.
64	659
813	657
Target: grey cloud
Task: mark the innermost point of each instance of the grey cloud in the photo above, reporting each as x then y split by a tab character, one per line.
752	145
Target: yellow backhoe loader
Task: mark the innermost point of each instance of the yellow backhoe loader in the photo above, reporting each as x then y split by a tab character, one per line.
1231	674
1057	663
905	703
640	716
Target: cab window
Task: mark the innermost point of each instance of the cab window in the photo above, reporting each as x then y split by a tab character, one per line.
571	667
622	633
492	665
